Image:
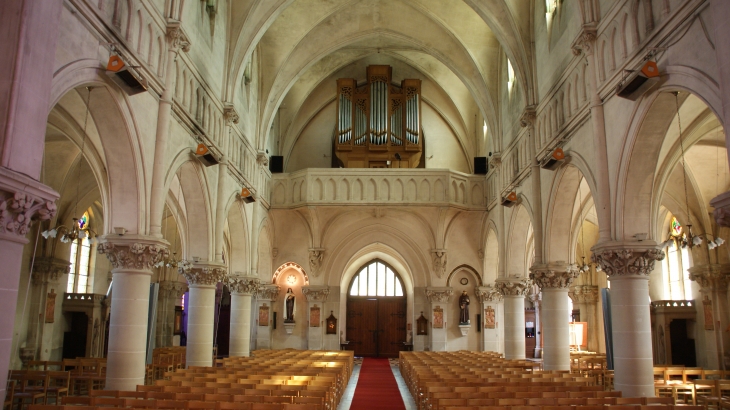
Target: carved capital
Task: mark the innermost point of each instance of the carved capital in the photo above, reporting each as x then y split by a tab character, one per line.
48	269
176	37
439	261
713	277
528	116
172	289
585	41
315	260
440	295
268	292
624	259
203	274
488	294
513	287
243	285
584	294
18	209
554	275
316	293
133	252
230	115
262	159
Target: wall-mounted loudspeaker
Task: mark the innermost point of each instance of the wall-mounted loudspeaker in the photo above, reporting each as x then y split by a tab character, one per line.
480	165
510	199
273	322
479	322
276	164
125	76
639	81
247	196
553	160
205	156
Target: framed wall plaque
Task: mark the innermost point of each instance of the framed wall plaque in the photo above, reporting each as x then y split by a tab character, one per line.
314	316
438	318
264	315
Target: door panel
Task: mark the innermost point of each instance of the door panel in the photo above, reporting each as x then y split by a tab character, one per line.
376	326
391	326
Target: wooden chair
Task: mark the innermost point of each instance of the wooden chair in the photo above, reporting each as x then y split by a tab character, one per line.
32	389
8	403
58	385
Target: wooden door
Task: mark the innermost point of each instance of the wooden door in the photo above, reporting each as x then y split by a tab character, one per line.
376	326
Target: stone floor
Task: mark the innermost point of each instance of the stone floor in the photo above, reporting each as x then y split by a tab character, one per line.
350	390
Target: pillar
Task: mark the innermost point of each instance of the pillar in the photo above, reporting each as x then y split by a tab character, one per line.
46	279
536	300
242	289
170	293
720	12
439	298
714	279
513	291
176	40
202	280
316	298
491	301
554	279
265	299
628	266
132	258
585	298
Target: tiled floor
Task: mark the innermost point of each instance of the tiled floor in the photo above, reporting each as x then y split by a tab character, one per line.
350	390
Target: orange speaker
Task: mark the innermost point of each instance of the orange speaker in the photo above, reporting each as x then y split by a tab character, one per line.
553	160
639	81
125	76
247	196
205	155
510	199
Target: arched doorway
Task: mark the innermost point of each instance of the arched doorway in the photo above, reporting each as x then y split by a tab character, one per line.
376	311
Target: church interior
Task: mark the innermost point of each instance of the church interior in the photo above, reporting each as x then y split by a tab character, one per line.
494	181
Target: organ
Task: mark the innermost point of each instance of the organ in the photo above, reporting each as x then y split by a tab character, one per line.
378	123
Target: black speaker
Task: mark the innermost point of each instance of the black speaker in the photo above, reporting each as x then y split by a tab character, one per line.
276	164
479	322
480	165
273	322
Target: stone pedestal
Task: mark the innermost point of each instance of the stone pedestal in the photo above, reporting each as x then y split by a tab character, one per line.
202	280
439	298
628	265
492	307
514	292
316	298
132	258
266	297
554	279
242	289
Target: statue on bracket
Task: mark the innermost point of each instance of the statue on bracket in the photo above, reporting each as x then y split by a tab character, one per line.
289	300
464	309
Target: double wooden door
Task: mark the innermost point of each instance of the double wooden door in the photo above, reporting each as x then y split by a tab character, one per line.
376	327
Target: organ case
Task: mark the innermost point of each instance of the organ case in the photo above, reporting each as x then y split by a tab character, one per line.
378	123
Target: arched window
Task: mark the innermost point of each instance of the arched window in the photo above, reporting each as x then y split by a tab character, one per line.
376	279
676	264
80	256
510	75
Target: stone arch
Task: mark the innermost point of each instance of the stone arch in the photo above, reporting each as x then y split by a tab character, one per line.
287	266
194	188
238	256
465	268
519	232
491	255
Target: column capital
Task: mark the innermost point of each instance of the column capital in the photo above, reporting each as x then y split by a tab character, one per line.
512	286
243	285
439	262
48	269
528	116
173	289
623	259
439	294
23	200
203	274
268	292
315	260
488	294
554	275
316	293
133	251
230	115
176	37
583	294
712	277
585	41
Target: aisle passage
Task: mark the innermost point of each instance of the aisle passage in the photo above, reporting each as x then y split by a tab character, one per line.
376	387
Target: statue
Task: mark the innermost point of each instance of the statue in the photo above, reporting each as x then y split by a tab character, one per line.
464	309
289	305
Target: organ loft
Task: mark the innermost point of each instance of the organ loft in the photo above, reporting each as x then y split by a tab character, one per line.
379	123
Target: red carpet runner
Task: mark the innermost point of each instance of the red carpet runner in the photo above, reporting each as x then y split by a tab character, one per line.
376	387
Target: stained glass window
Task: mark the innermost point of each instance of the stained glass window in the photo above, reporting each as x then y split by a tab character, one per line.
675	228
376	279
80	258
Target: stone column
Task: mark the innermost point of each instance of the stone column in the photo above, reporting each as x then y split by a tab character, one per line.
46	279
316	297
585	298
266	297
242	288
132	258
170	292
491	301
176	40
720	12
202	280
537	304
439	298
628	265
513	291
714	279
554	279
